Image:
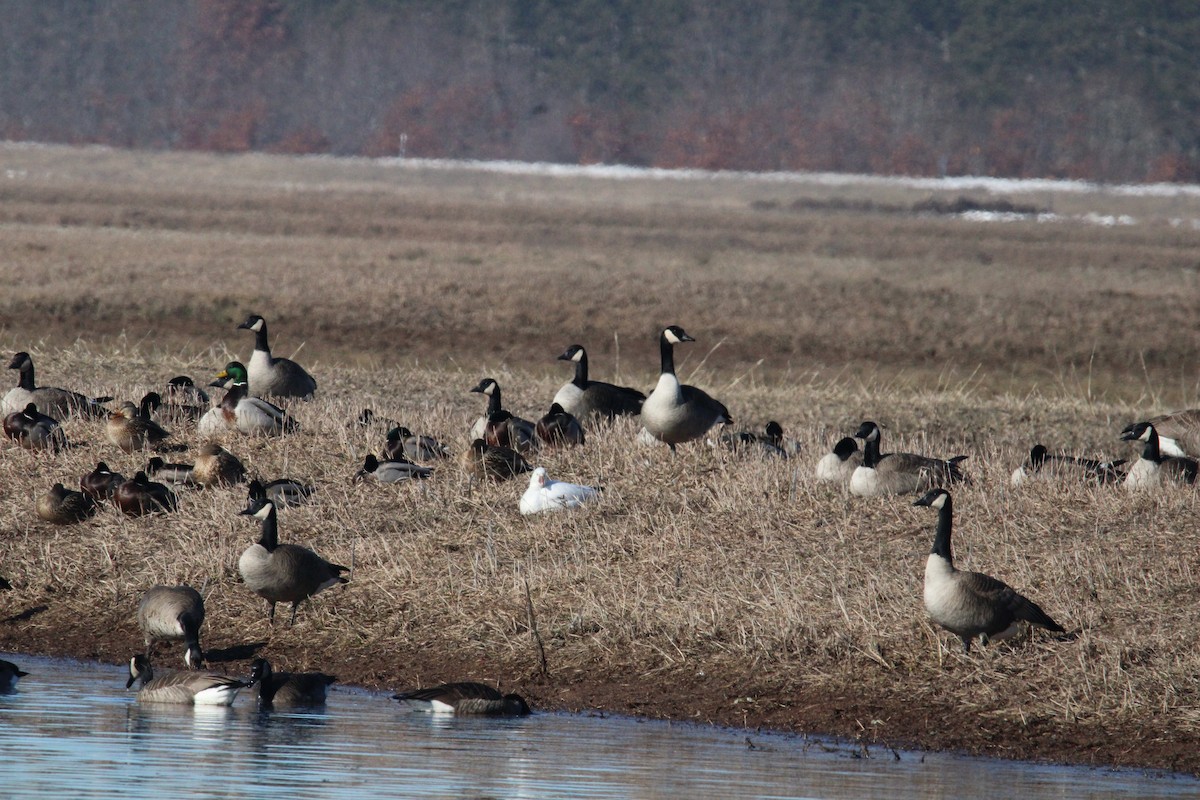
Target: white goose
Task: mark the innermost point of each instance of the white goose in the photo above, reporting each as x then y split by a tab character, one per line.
546	494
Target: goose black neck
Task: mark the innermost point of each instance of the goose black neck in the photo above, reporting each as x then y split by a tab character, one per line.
25	380
1151	452
191	630
494	400
668	355
260	339
941	542
581	373
270	531
870	453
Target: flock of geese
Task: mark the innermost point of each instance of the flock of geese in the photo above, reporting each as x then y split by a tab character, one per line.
970	605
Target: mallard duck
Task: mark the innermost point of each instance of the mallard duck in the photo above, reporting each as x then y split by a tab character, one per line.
34	430
675	412
129	429
270	376
464	698
483	460
50	400
505	430
141	496
898	473
62	506
546	494
191	687
283	492
101	483
185	402
403	442
558	428
173	614
288	688
768	443
368	418
216	466
586	398
392	470
174	474
249	414
283	573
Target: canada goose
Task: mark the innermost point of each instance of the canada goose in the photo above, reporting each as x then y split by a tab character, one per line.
464	698
558	427
1149	470
769	443
191	687
50	400
970	604
34	430
130	430
838	465
173	614
585	398
392	470
523	432
483	460
546	494
1178	432
282	492
174	474
10	673
288	688
898	473
246	413
505	430
283	573
101	483
675	412
62	506
280	377
141	496
403	442
216	466
1042	462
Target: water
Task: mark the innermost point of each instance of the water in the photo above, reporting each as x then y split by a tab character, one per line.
72	731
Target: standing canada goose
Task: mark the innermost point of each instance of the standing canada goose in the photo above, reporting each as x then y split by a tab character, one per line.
282	492
216	466
546	494
247	413
269	376
34	430
898	473
288	688
283	573
141	496
403	442
174	474
482	460
1178	433
101	483
130	430
464	698
60	402
523	429
62	506
585	398
505	430
559	427
675	412
1150	470
191	687
10	673
173	614
392	470
970	604
1042	462
838	465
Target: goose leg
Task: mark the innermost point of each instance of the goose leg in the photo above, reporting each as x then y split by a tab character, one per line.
295	605
271	615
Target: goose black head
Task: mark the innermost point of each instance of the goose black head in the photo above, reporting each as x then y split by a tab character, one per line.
573	353
1137	431
253	323
868	431
675	334
845	448
486	386
937	498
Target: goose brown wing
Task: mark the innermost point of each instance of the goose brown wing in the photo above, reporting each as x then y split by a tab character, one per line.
1002	596
451	693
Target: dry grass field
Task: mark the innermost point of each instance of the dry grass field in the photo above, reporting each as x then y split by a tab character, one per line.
702	587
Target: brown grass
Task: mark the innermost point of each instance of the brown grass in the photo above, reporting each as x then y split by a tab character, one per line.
703	586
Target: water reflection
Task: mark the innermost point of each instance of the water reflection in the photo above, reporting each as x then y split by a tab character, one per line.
71	730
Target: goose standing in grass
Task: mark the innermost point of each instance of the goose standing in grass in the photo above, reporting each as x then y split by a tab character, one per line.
174	474
270	376
282	492
216	466
60	402
140	496
403	443
484	461
464	698
277	689
62	506
523	429
587	398
130	429
1042	462
898	473
1178	433
971	604
10	673
559	428
246	413
392	470
101	483
1153	467
674	412
33	430
173	614
189	687
838	465
546	494
283	573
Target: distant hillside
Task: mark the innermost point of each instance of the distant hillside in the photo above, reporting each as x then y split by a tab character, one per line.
1108	90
